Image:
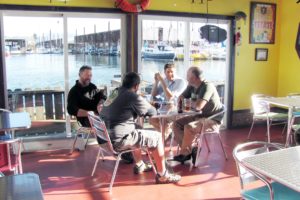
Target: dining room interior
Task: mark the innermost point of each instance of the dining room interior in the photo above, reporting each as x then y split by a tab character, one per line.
111	99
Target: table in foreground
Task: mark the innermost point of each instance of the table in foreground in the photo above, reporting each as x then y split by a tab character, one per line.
282	166
21	187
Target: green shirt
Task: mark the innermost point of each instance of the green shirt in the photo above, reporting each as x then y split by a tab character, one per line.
208	92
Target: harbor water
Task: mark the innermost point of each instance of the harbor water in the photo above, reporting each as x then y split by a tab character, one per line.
46	71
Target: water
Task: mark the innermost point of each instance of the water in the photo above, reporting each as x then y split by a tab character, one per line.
39	71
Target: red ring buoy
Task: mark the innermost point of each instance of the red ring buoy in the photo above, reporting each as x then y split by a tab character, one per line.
129	7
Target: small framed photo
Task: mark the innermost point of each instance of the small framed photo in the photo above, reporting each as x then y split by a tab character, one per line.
261	54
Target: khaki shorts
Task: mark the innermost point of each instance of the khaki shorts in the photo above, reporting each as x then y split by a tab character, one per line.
139	138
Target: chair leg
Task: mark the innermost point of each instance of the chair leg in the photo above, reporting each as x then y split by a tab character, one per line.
177	151
205	139
248	138
282	133
199	144
102	155
222	147
97	160
150	159
73	146
87	140
172	140
20	159
114	173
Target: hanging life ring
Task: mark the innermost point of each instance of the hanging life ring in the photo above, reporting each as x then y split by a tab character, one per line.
129	7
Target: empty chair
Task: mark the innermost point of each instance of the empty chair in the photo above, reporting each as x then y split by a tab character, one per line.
261	112
11	156
203	134
271	190
100	130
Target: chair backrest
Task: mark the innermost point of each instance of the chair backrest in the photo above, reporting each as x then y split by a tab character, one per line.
244	150
293	95
212	117
98	126
258	105
4	110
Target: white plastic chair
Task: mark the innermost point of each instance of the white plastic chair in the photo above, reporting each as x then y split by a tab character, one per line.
261	112
271	190
82	131
203	134
100	130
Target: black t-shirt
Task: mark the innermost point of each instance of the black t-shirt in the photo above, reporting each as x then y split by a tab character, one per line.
86	98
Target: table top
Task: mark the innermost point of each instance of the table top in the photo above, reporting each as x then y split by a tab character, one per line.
14	121
21	187
173	112
287	102
282	166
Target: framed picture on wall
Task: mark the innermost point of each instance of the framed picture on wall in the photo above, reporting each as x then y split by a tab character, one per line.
262	23
261	54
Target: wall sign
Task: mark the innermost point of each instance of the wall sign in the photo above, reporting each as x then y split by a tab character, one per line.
262	23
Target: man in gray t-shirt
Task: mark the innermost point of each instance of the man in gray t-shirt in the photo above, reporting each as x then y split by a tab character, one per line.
119	112
205	98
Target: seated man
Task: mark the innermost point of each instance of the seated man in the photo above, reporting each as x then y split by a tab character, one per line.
83	97
119	112
205	98
167	89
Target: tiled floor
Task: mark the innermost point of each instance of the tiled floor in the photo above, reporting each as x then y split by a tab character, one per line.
67	177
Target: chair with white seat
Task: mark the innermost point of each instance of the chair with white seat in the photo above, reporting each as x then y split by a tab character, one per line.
271	190
100	130
202	136
261	112
85	132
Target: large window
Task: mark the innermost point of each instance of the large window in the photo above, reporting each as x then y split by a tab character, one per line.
40	72
185	42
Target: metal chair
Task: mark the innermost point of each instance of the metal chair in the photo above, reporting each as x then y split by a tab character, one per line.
99	127
82	131
261	112
203	134
14	162
271	190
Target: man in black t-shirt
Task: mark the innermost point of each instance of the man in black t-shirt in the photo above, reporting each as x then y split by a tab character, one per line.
84	96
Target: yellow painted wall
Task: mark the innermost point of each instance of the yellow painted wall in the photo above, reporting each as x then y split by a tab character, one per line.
250	76
289	62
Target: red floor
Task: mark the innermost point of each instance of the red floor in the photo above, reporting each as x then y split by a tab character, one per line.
67	177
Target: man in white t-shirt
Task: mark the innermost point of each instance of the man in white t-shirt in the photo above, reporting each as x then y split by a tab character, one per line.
167	89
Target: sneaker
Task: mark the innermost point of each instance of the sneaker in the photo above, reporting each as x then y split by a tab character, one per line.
145	167
127	158
167	178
